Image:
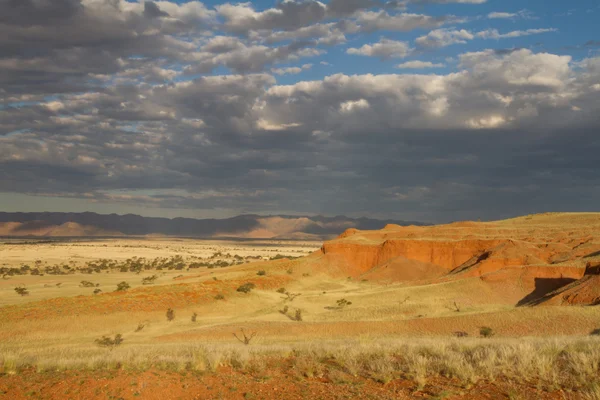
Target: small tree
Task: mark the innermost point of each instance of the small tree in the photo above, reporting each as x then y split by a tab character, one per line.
194	316
245	338
170	314
97	291
291	296
486	332
22	290
281	290
111	343
122	287
262	272
87	284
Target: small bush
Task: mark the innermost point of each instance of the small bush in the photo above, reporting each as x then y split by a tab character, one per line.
149	280
341	303
122	287
22	290
170	314
246	287
281	290
595	332
262	272
140	327
194	316
87	284
285	310
96	291
298	315
290	271
219	297
460	334
111	343
486	332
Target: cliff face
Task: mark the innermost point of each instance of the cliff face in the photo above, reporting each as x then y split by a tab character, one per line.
539	253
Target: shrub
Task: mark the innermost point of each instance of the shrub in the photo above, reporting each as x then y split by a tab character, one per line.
122	286
460	334
140	326
298	315
595	332
290	271
194	316
149	280
285	310
246	287
262	272
170	314
87	284
281	290
341	303
22	290
219	297
486	332
96	291
111	343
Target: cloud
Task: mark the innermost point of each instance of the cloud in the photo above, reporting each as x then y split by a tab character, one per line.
115	102
385	48
419	65
444	37
494	34
291	70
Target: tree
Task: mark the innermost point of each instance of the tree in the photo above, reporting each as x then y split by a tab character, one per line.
245	338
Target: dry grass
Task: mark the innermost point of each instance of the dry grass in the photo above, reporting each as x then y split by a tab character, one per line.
551	364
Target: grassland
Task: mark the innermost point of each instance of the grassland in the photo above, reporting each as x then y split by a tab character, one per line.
395	340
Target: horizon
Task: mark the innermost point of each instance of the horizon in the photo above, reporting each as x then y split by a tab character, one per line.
414	110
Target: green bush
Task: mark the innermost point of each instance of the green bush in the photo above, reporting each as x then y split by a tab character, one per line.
22	290
486	332
107	341
122	286
246	287
170	314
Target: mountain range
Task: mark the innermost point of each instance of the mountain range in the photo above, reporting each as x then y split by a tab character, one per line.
58	224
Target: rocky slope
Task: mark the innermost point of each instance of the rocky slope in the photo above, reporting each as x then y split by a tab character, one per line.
536	253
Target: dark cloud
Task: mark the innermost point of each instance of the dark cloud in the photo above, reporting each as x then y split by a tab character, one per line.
104	109
151	10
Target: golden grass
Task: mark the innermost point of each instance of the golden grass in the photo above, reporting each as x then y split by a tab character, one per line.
550	363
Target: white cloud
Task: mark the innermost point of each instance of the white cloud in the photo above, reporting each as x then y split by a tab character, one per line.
444	37
385	48
419	65
291	70
494	34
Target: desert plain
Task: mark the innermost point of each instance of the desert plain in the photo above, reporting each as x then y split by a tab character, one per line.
477	310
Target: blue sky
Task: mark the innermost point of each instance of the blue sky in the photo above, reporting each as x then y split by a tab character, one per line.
431	110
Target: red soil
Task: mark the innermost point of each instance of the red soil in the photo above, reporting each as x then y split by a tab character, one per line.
274	383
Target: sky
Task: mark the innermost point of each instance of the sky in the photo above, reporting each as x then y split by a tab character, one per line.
429	110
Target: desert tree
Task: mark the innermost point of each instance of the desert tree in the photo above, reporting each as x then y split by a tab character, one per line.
244	337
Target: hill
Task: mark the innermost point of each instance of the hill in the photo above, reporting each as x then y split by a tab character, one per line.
524	259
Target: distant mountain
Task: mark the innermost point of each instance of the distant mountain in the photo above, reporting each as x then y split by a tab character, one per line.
50	224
